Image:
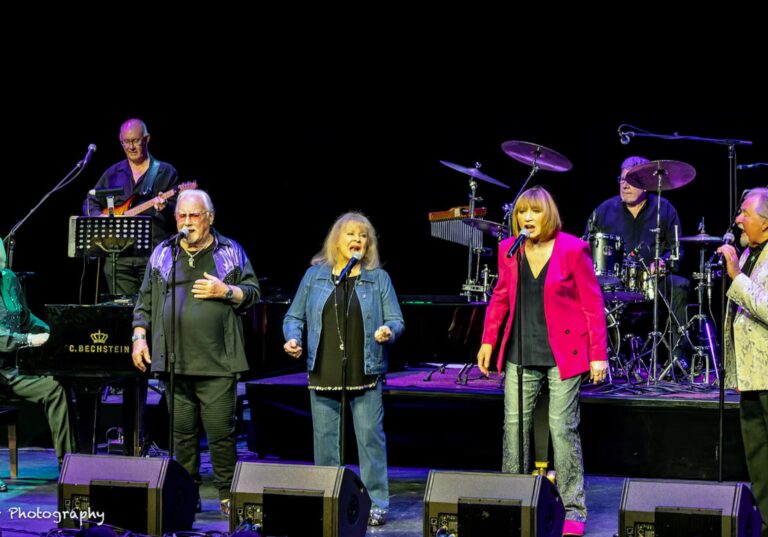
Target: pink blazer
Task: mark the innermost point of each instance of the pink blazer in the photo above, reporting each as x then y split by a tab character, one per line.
573	306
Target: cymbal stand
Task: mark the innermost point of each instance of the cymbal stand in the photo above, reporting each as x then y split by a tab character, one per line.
674	326
509	208
471	289
708	351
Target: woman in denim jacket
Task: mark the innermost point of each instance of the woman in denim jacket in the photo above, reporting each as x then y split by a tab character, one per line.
346	311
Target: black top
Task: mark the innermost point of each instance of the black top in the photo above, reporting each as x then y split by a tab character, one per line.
536	348
120	176
326	375
199	323
612	216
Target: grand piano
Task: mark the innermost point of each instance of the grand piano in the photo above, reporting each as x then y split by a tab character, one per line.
89	348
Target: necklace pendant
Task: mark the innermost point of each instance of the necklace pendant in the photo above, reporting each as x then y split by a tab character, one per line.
341	346
191	262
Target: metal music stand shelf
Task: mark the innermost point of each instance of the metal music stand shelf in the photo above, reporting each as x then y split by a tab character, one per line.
99	236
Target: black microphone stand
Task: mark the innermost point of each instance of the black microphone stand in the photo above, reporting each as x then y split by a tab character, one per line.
175	252
10	239
343	416
732	196
519	330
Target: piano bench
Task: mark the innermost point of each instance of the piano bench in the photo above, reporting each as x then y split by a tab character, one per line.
9	417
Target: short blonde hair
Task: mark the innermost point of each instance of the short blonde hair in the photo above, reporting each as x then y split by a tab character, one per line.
538	198
329	253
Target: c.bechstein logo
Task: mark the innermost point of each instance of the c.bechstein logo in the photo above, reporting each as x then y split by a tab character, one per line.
100	346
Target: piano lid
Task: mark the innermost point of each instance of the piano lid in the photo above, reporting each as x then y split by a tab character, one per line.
86	341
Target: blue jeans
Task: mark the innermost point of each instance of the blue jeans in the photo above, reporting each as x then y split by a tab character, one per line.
368	419
563	428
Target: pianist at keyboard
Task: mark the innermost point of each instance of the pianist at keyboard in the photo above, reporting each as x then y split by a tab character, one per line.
19	328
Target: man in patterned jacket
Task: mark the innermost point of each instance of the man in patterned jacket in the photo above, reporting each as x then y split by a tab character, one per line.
746	339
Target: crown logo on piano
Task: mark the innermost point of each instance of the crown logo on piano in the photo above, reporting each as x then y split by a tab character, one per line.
99	337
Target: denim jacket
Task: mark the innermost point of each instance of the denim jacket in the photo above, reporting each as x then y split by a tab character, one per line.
378	303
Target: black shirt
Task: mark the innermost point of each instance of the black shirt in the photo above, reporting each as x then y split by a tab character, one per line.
612	216
536	348
120	176
341	304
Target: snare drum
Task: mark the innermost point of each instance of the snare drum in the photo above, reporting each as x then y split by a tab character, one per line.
607	256
638	284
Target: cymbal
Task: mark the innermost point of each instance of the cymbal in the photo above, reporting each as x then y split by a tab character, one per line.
674	174
486	226
528	153
473	172
701	237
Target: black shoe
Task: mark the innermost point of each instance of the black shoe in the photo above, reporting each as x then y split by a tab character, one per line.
3	486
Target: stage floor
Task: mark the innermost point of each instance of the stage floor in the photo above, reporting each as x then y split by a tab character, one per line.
36	488
667	431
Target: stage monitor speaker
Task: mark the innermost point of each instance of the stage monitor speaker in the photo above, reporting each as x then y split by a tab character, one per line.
152	496
475	504
687	509
298	500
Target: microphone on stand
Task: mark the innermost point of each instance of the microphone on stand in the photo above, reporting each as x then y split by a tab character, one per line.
524	234
356	256
88	156
104	192
750	166
174	239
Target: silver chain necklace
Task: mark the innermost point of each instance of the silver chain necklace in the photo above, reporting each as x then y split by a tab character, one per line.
336	310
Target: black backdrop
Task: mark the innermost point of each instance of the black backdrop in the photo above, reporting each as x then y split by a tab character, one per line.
280	169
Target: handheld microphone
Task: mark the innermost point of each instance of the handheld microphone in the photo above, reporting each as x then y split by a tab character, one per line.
750	166
104	192
356	256
174	239
524	234
88	156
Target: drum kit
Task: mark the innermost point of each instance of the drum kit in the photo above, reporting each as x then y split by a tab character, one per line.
623	276
480	282
626	280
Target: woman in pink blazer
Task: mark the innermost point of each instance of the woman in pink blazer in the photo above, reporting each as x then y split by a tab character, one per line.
563	336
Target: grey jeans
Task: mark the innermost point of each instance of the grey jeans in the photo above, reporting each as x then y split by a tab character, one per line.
563	428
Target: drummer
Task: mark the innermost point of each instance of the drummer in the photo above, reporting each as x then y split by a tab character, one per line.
632	215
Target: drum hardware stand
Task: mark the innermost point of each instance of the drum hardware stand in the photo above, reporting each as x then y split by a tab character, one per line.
632	365
708	351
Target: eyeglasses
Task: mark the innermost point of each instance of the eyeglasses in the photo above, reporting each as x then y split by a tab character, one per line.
193	217
132	141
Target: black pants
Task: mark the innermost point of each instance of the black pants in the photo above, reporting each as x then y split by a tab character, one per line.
51	395
210	400
128	276
754	433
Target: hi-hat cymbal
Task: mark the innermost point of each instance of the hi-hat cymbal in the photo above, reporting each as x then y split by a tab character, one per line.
473	172
529	153
486	226
701	237
673	173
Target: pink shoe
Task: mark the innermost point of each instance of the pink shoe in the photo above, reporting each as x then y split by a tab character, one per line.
573	527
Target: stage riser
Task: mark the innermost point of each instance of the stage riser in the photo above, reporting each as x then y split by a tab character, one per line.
465	432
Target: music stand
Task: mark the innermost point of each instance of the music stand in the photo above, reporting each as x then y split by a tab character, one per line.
98	236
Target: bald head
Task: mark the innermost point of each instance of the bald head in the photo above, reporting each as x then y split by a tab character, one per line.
135	126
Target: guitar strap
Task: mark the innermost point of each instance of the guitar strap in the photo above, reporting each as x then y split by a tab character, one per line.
149	179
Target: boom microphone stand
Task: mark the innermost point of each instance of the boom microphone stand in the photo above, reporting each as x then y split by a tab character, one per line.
10	239
730	143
